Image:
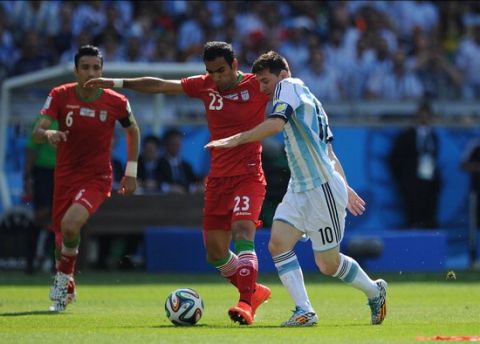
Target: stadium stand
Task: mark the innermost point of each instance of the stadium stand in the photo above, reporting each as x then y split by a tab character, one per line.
359	48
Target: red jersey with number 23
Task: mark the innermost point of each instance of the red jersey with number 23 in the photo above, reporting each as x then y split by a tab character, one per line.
90	124
229	113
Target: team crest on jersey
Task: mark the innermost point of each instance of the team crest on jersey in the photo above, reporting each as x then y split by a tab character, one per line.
245	95
103	115
280	108
87	112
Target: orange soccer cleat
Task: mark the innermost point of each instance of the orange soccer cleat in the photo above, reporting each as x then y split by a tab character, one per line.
261	294
241	313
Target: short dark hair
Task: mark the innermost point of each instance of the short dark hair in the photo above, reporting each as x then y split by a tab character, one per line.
271	61
88	50
214	49
151	139
171	132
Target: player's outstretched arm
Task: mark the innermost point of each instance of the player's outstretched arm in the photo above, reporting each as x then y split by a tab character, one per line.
269	127
356	205
144	84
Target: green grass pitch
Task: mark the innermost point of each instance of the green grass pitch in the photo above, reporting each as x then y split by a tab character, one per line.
129	308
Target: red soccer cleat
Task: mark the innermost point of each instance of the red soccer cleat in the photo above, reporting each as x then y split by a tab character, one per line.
241	313
261	294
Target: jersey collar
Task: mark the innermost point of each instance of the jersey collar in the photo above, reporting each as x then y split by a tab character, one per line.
90	99
239	77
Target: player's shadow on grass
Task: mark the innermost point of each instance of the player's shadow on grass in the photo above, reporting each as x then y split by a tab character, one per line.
207	326
20	314
257	326
348	325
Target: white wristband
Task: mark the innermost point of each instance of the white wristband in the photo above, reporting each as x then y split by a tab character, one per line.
131	169
117	83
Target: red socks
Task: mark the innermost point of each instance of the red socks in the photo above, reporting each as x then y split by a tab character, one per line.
246	275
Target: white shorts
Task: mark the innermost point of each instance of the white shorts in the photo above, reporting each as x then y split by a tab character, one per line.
319	213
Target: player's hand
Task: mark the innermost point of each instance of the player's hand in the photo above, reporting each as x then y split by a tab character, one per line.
227	142
356	205
99	83
128	185
54	137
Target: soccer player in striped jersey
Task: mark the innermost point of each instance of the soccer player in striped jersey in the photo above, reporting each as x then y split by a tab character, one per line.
317	196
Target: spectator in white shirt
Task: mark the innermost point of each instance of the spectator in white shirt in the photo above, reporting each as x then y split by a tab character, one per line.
322	80
468	62
397	84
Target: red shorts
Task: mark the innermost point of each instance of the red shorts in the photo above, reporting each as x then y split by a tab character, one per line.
90	195
231	199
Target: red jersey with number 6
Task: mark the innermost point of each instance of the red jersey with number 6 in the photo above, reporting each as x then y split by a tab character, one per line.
229	113
90	124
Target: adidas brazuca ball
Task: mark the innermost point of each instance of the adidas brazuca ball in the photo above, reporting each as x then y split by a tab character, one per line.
184	307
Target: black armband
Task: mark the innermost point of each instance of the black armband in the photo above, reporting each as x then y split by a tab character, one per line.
281	110
125	122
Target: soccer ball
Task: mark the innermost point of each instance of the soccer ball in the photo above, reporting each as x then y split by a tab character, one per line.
184	307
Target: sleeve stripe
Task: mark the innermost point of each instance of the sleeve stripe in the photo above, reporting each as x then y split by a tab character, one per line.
277	93
277	115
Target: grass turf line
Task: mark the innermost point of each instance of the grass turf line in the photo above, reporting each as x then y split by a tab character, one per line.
128	308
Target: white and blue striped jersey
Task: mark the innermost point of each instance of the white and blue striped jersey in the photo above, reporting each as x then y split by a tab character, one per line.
306	134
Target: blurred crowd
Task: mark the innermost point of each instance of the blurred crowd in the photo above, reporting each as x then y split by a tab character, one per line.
390	50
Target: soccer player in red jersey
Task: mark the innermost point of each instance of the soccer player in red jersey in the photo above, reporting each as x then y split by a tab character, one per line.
235	187
83	174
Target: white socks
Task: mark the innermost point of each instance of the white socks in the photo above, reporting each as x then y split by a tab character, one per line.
350	272
291	275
